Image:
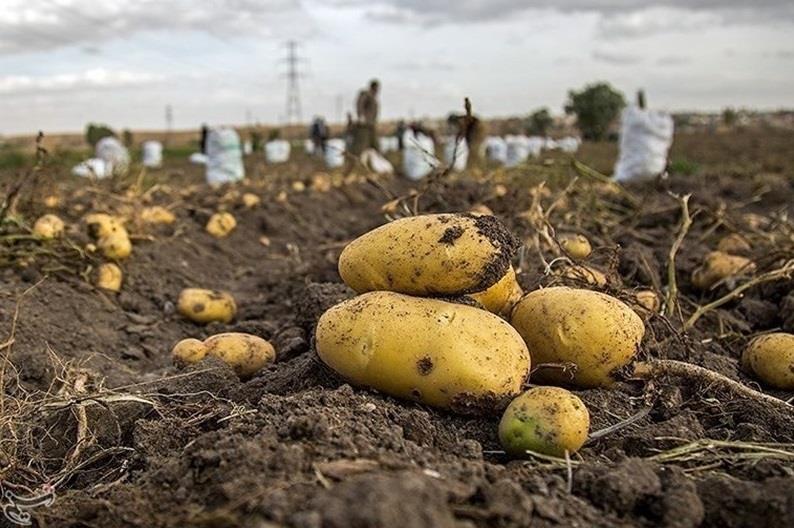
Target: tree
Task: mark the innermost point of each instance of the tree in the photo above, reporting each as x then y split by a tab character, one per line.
729	116
596	106
95	132
539	122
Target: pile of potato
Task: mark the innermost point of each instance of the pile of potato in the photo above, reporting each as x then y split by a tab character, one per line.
427	327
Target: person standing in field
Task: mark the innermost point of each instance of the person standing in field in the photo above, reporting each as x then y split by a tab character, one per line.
367	107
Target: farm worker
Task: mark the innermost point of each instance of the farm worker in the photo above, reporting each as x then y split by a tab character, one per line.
367	111
472	130
203	143
319	134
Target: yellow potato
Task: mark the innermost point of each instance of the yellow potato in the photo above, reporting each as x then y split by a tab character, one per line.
101	224
109	277
298	186
245	353
770	358
445	254
48	226
481	209
733	243
250	200
501	297
546	420
156	214
221	224
443	354
594	331
719	266
576	245
205	306
321	182
586	274
116	245
52	201
648	300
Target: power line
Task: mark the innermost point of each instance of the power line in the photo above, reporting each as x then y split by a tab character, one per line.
293	113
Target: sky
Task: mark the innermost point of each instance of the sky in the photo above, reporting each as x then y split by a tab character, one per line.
64	63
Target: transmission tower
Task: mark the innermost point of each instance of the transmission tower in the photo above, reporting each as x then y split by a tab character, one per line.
293	114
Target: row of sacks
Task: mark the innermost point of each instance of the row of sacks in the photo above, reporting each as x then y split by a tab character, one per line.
112	158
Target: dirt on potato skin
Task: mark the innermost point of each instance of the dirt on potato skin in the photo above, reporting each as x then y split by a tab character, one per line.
296	446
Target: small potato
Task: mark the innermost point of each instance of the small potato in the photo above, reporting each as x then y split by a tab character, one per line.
586	274
440	353
501	297
156	214
594	331
719	266
48	227
321	183
221	224
245	353
770	358
439	254
116	245
733	244
52	201
576	245
298	186
188	351
648	300
101	225
481	209
109	277
205	306
250	200
546	420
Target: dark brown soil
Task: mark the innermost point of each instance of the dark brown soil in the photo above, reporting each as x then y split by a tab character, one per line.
296	446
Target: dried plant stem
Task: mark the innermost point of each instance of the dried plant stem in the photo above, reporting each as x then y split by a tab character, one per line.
671	302
780	273
680	369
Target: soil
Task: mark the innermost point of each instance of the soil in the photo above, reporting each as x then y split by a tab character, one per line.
162	446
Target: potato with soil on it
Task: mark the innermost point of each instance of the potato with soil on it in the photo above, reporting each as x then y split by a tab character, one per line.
585	274
101	225
648	300
595	332
245	353
48	227
438	254
109	277
221	224
733	244
116	245
576	245
205	306
770	358
156	215
719	266
250	200
545	420
440	353
501	297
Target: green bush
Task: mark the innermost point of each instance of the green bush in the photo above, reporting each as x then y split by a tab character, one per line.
94	132
596	107
539	122
683	166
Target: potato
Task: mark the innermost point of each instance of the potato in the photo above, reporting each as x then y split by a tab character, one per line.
733	243
481	209
594	331
719	266
586	274
648	300
221	224
245	353
156	214
298	186
109	277
770	358
116	245
48	227
501	297
250	200
52	201
205	306
546	420
576	245
437	352
440	254
102	224
321	182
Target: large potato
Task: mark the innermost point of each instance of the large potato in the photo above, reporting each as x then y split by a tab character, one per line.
594	331
440	254
245	353
770	358
440	353
546	420
206	306
501	297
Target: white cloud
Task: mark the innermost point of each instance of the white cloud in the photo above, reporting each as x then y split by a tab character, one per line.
97	78
617	58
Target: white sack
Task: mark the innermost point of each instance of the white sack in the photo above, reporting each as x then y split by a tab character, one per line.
334	153
152	154
198	158
518	150
495	149
374	161
460	153
114	154
418	155
91	168
569	144
388	144
277	151
645	138
224	156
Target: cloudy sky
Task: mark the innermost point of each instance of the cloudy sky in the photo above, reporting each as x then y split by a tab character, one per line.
66	62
